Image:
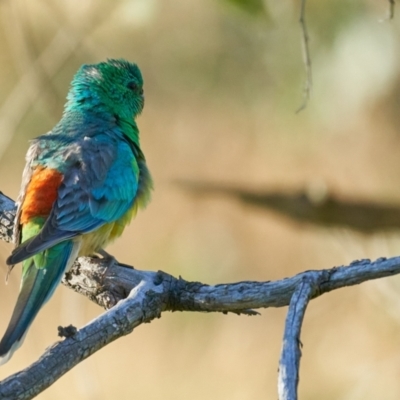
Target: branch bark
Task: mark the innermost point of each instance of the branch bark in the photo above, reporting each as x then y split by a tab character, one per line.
133	297
288	378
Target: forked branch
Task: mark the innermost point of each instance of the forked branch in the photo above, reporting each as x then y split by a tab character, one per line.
133	297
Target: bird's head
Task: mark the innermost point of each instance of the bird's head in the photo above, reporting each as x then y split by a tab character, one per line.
114	86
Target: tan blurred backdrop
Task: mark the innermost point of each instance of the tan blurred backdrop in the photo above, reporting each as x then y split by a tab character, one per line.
222	81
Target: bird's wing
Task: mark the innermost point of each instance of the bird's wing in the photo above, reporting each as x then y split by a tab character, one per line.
98	186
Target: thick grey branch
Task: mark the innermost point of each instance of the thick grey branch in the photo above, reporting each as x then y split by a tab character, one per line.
289	363
140	296
142	305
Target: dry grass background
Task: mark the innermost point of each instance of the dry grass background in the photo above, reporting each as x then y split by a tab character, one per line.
222	85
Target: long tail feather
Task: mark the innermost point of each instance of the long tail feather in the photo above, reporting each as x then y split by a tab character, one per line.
38	284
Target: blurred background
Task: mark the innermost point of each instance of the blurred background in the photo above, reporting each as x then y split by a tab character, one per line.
245	188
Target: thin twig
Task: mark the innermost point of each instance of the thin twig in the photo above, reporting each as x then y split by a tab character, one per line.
391	9
306	57
390	13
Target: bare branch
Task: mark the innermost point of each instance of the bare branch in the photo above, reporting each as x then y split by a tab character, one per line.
152	293
306	57
140	306
137	296
289	363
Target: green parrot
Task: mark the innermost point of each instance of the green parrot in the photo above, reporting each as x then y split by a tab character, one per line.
82	184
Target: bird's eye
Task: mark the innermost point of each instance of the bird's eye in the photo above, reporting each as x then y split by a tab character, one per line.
133	86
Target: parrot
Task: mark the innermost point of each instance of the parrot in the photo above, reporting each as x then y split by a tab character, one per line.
82	184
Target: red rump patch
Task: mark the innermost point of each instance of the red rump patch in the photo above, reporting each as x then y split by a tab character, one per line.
41	193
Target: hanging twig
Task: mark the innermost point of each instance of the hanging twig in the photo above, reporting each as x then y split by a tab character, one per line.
391	9
306	57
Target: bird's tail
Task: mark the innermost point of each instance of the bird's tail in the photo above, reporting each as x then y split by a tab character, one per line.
37	286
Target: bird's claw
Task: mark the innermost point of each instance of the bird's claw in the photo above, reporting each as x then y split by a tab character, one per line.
107	257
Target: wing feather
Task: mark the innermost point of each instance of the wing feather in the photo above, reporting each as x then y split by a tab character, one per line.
99	186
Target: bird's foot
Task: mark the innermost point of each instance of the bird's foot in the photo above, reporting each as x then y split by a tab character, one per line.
107	257
111	260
